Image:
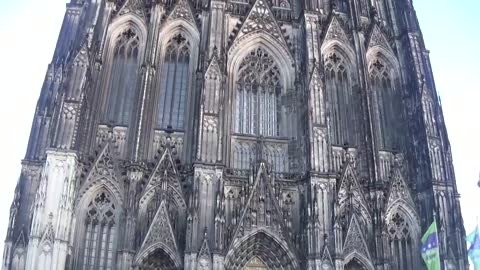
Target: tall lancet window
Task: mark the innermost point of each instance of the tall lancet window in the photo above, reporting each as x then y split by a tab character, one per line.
257	95
386	104
123	78
403	250
174	84
99	234
340	97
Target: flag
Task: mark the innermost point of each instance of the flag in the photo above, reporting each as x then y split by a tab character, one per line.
474	250
430	248
471	237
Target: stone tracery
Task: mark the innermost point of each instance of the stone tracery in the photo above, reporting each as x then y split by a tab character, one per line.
341	98
97	247
386	96
174	84
258	87
123	78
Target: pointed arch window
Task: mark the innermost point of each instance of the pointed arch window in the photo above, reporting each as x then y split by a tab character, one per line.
174	83
340	95
257	95
99	234
123	78
403	249
387	106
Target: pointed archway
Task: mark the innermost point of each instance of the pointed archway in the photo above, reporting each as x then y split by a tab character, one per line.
355	264
262	248
158	260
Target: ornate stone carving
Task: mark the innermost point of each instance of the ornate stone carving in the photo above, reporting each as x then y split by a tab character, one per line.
377	38
135	6
336	31
350	198
160	235
261	209
261	18
183	11
355	240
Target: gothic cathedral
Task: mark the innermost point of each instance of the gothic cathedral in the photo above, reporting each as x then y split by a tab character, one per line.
236	135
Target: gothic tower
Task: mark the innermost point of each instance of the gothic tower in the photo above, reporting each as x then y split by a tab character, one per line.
236	134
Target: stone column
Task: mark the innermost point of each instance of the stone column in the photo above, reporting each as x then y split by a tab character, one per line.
52	212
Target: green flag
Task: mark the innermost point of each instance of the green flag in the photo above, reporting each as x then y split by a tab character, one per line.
430	248
474	250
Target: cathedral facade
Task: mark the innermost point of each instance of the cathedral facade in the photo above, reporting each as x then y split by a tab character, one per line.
236	134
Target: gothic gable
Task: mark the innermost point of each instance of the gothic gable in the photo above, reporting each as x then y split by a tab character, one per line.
213	69
134	6
377	38
160	236
350	193
165	179
316	78
326	257
261	208
261	19
81	55
204	257
355	240
399	190
48	235
183	11
103	171
336	31
21	240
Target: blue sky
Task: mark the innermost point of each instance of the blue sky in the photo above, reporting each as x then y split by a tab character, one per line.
29	30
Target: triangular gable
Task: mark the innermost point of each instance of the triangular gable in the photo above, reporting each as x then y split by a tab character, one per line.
399	189
164	172
183	11
261	18
21	240
262	202
48	235
355	240
204	257
426	92
204	249
377	38
104	164
336	31
103	171
160	233
349	186
213	69
81	54
326	257
316	77
135	6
